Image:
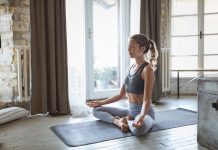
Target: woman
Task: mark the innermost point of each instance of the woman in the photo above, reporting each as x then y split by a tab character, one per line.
138	86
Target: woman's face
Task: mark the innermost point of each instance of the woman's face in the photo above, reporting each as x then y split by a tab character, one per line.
134	50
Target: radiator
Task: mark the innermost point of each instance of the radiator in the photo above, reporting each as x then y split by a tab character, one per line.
23	71
165	61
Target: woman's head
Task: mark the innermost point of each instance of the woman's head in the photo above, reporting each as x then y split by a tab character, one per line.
148	47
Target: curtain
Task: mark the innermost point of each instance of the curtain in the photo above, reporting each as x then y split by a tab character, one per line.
75	12
49	57
150	16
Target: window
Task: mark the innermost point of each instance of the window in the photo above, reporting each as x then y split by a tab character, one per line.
194	34
97	33
184	35
105	45
210	34
105	50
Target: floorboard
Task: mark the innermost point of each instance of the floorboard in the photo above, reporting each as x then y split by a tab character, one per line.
34	133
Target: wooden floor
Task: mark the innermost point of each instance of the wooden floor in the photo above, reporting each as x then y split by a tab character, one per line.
34	133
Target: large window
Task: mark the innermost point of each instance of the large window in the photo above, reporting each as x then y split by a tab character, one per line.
97	37
104	46
194	34
210	34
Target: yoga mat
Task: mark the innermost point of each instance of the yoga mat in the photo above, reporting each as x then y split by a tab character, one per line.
84	133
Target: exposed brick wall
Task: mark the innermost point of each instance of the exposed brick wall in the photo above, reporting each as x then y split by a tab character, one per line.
15	34
21	23
7	73
164	23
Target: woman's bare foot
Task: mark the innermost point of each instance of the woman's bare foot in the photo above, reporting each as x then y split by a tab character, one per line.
129	117
121	123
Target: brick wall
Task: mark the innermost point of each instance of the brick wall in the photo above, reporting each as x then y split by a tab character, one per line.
164	23
15	34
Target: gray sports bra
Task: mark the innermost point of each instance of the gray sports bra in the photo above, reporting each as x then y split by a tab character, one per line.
134	83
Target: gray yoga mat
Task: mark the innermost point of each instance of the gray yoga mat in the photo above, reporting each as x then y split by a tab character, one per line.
84	133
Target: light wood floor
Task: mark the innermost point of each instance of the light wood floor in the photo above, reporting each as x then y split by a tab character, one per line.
34	133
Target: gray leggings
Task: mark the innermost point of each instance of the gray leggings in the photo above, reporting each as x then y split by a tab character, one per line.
107	114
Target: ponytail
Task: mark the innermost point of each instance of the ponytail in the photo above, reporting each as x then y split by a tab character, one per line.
153	53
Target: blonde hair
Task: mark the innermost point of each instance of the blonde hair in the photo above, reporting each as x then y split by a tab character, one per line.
149	46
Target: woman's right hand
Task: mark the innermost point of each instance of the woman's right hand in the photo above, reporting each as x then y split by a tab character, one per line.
94	103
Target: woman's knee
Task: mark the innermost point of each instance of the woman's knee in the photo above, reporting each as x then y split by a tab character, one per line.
148	124
138	131
96	110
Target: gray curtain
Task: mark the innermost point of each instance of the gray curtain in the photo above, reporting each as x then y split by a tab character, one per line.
150	16
49	57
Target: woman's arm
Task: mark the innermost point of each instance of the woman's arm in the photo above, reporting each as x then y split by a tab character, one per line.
148	76
109	100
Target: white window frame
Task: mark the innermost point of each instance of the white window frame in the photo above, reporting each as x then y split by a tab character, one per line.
200	56
123	36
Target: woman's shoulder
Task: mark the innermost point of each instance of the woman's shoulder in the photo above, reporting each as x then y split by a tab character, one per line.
148	69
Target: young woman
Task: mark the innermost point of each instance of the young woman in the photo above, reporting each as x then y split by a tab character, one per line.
138	85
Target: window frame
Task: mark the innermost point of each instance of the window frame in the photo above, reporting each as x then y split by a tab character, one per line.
200	56
123	27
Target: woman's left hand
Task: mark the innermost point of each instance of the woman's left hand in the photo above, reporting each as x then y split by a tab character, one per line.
94	103
138	122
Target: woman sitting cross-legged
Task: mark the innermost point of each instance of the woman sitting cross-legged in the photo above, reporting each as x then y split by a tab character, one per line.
139	117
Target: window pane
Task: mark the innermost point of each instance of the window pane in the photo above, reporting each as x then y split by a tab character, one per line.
184	25
184	45
210	44
105	43
135	16
210	62
210	6
211	23
188	62
179	5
